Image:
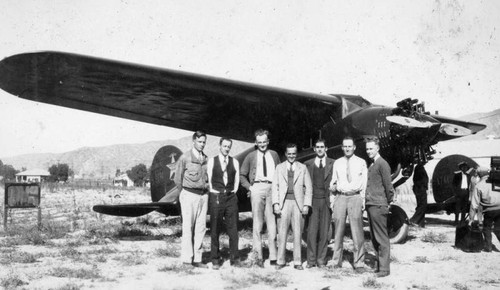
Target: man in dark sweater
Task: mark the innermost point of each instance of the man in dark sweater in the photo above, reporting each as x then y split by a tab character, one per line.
223	180
379	195
320	169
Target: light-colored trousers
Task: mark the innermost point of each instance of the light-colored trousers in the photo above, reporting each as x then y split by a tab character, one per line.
349	206
290	215
262	210
194	218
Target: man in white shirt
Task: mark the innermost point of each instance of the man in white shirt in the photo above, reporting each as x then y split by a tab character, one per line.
223	180
349	185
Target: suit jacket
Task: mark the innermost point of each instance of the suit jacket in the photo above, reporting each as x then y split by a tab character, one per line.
328	170
302	185
379	189
248	168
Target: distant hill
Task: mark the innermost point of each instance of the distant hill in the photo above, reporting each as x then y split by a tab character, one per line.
490	119
102	162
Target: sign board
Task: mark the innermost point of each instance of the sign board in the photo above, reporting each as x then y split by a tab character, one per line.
22	195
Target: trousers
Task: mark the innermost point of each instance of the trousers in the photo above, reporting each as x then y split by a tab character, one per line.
262	211
194	219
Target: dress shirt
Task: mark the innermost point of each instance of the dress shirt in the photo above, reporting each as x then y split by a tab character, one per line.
259	176
210	167
359	175
464	181
323	161
288	165
198	154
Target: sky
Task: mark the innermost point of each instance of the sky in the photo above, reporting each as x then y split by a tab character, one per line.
445	53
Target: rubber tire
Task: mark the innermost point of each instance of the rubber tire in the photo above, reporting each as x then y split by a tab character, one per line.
397	225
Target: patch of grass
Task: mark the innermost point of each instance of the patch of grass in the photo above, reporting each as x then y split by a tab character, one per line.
420	287
101	259
433	238
69	286
460	286
12	281
18	257
102	250
332	275
253	277
80	273
131	259
169	251
178	269
421	259
71	253
371	283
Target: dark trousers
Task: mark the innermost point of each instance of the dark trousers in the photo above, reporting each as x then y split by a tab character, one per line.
223	208
462	198
317	231
377	217
491	223
421	197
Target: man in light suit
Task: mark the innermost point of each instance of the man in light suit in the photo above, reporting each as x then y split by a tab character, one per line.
292	198
256	175
320	169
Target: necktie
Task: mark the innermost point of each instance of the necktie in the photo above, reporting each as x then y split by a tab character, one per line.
321	163
264	165
225	171
348	171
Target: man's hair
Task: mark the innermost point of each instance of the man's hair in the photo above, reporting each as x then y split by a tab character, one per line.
291	145
199	134
373	139
348	138
320	140
226	139
261	132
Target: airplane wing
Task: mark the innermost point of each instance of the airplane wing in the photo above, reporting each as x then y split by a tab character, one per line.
453	128
166	97
138	209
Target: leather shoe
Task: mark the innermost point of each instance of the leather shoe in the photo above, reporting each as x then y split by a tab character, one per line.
321	265
279	267
308	266
200	265
298	267
236	263
382	274
337	266
259	263
273	262
215	266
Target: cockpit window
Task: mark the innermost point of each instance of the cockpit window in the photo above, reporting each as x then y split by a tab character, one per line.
351	104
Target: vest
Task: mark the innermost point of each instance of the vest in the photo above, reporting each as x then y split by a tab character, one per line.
319	182
218	175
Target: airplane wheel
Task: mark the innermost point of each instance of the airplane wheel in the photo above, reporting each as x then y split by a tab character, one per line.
397	225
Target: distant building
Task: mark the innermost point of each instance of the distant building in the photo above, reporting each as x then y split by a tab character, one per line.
123	180
32	175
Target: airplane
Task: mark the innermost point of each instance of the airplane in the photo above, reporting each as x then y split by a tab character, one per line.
224	107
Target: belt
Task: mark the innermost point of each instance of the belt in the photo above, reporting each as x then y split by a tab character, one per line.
199	191
349	193
262	181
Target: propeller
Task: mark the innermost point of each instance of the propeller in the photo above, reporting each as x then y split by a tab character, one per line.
408	122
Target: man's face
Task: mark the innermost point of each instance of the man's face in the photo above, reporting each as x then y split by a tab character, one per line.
464	168
291	154
199	143
225	147
262	141
320	149
348	147
371	149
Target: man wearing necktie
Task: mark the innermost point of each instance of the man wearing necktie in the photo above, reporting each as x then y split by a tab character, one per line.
191	179
292	197
348	185
223	180
256	175
320	170
379	196
461	185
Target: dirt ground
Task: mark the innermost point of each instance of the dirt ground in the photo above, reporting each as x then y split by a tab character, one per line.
79	249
